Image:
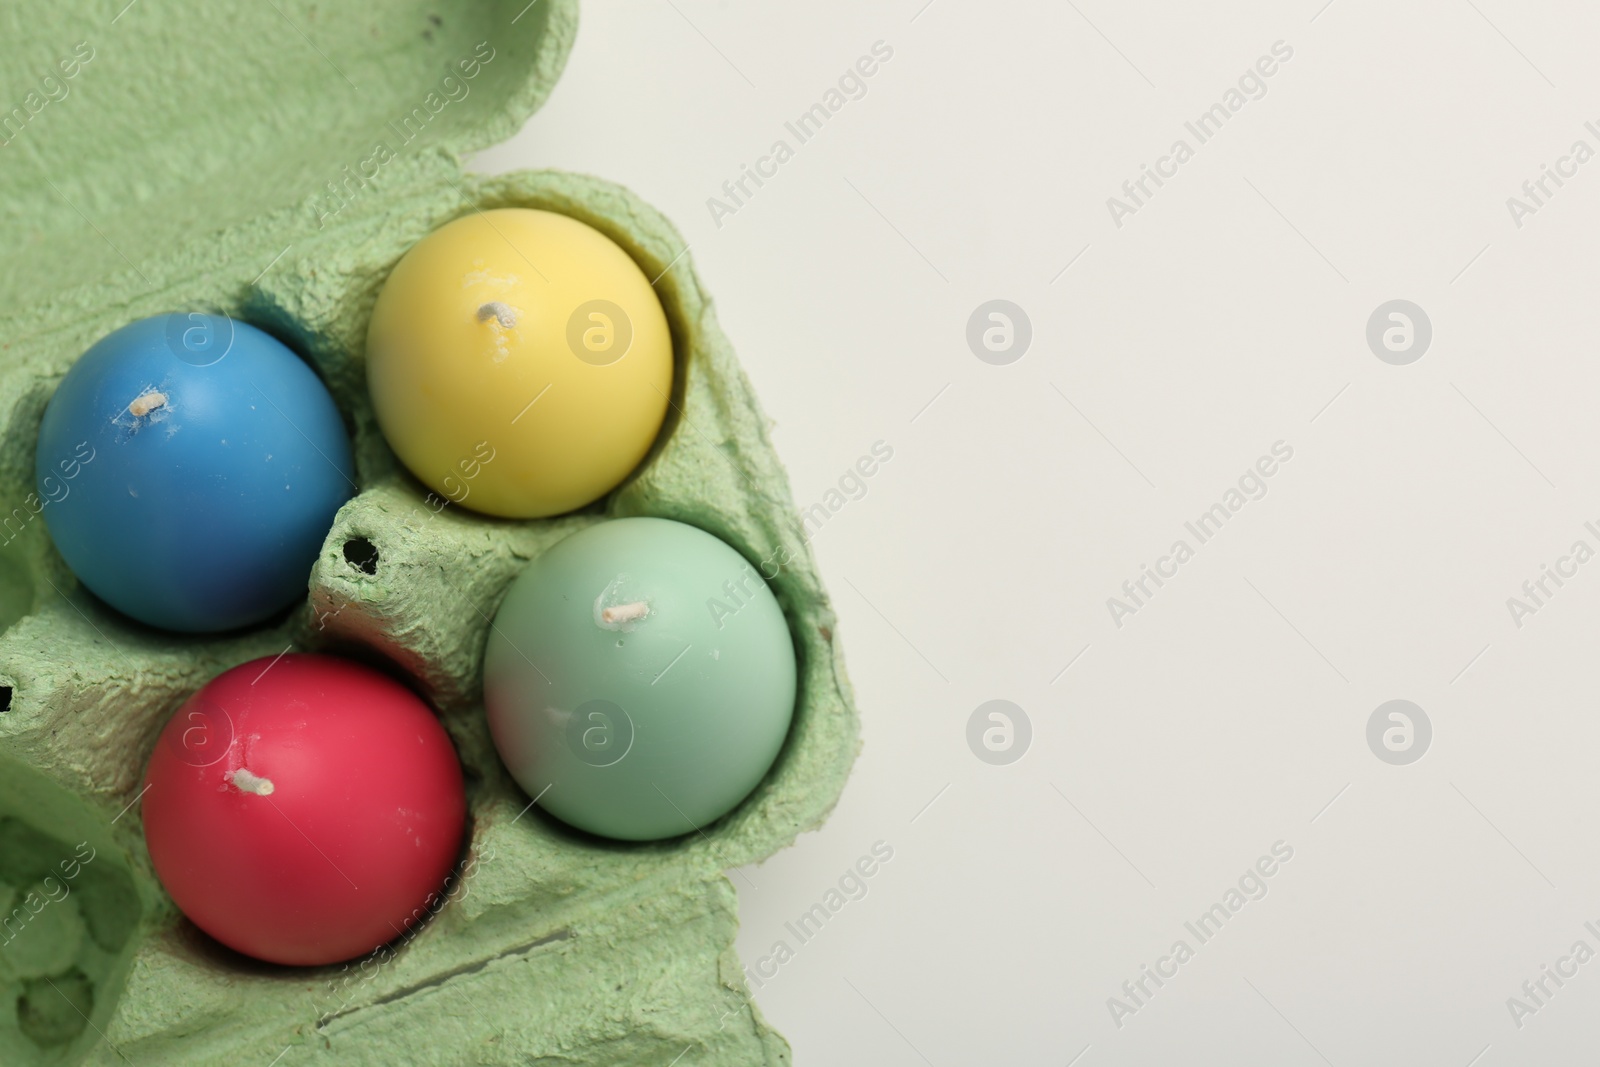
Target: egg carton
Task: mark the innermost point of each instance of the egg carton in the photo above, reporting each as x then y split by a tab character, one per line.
272	163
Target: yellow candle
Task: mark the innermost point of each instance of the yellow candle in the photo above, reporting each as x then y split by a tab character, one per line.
519	362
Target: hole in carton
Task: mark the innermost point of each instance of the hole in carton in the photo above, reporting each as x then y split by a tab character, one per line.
362	555
5	698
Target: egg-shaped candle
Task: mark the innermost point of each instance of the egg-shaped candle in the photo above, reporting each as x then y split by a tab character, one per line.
304	810
519	362
189	468
639	679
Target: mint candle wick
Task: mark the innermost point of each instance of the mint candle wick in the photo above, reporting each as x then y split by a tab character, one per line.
625	612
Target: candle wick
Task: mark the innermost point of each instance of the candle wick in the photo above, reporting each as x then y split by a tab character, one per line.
246	782
146	402
504	314
625	612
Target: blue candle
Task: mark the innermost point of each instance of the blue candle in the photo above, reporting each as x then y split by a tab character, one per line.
191	467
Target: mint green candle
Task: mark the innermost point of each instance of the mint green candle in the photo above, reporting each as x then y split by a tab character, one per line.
639	679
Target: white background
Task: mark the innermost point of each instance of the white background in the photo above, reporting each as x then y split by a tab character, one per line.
1227	314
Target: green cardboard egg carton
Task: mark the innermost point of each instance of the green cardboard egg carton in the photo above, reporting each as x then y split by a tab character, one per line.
272	162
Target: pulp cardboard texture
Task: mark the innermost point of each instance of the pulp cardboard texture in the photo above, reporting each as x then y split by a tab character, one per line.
272	162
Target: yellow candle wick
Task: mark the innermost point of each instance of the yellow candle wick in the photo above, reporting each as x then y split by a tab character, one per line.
504	314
